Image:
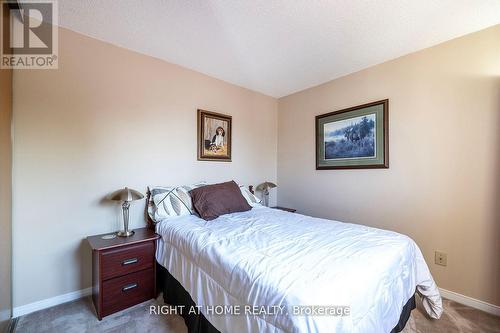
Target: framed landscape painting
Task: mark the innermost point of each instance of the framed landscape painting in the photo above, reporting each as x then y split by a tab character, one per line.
354	138
214	136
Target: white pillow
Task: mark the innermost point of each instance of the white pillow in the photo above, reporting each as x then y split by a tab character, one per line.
167	202
250	197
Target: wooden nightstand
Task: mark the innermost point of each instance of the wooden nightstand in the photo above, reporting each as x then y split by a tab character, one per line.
123	270
291	210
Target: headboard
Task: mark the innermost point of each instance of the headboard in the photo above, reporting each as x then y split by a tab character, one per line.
149	222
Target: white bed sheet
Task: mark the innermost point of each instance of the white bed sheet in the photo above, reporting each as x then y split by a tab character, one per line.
270	257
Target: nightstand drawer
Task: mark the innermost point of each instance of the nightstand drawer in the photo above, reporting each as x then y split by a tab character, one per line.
127	260
122	292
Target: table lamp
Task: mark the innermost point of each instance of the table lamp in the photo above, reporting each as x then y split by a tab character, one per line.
125	195
264	187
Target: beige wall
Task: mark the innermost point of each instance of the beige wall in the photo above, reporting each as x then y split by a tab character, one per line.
108	118
5	195
442	188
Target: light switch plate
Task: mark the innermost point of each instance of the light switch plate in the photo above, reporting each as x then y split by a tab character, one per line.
441	258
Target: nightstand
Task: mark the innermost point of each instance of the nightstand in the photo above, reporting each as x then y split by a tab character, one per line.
291	210
123	270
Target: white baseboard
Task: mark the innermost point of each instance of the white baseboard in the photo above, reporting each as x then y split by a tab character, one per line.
469	301
49	302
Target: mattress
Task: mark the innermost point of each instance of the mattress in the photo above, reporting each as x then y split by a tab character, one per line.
281	260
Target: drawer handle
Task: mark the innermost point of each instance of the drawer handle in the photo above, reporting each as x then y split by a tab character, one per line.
129	261
130	286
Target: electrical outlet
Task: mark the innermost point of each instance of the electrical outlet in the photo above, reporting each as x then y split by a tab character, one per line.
440	258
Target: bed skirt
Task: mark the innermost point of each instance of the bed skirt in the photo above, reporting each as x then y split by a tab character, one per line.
175	294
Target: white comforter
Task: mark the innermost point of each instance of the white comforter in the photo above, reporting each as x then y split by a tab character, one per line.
270	257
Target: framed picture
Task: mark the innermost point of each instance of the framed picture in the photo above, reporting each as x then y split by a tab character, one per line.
354	138
214	136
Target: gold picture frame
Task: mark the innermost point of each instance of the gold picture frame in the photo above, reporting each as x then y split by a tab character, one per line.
214	136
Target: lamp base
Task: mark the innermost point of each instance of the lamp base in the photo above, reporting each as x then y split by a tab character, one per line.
123	233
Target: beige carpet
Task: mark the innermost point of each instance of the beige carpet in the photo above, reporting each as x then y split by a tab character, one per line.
456	318
78	316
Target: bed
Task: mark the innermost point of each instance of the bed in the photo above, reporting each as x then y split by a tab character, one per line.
269	257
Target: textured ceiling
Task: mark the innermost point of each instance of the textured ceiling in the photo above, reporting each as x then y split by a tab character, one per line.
277	47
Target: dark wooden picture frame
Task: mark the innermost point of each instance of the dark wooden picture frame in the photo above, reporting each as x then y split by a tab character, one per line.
347	147
211	147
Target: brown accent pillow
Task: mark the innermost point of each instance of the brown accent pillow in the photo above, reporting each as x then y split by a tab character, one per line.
212	201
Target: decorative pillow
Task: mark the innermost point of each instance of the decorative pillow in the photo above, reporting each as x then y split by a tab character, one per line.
211	201
167	202
250	197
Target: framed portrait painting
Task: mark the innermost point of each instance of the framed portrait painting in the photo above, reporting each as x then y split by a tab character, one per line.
214	136
354	138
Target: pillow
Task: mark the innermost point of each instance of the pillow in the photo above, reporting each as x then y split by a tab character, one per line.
211	201
250	197
168	202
